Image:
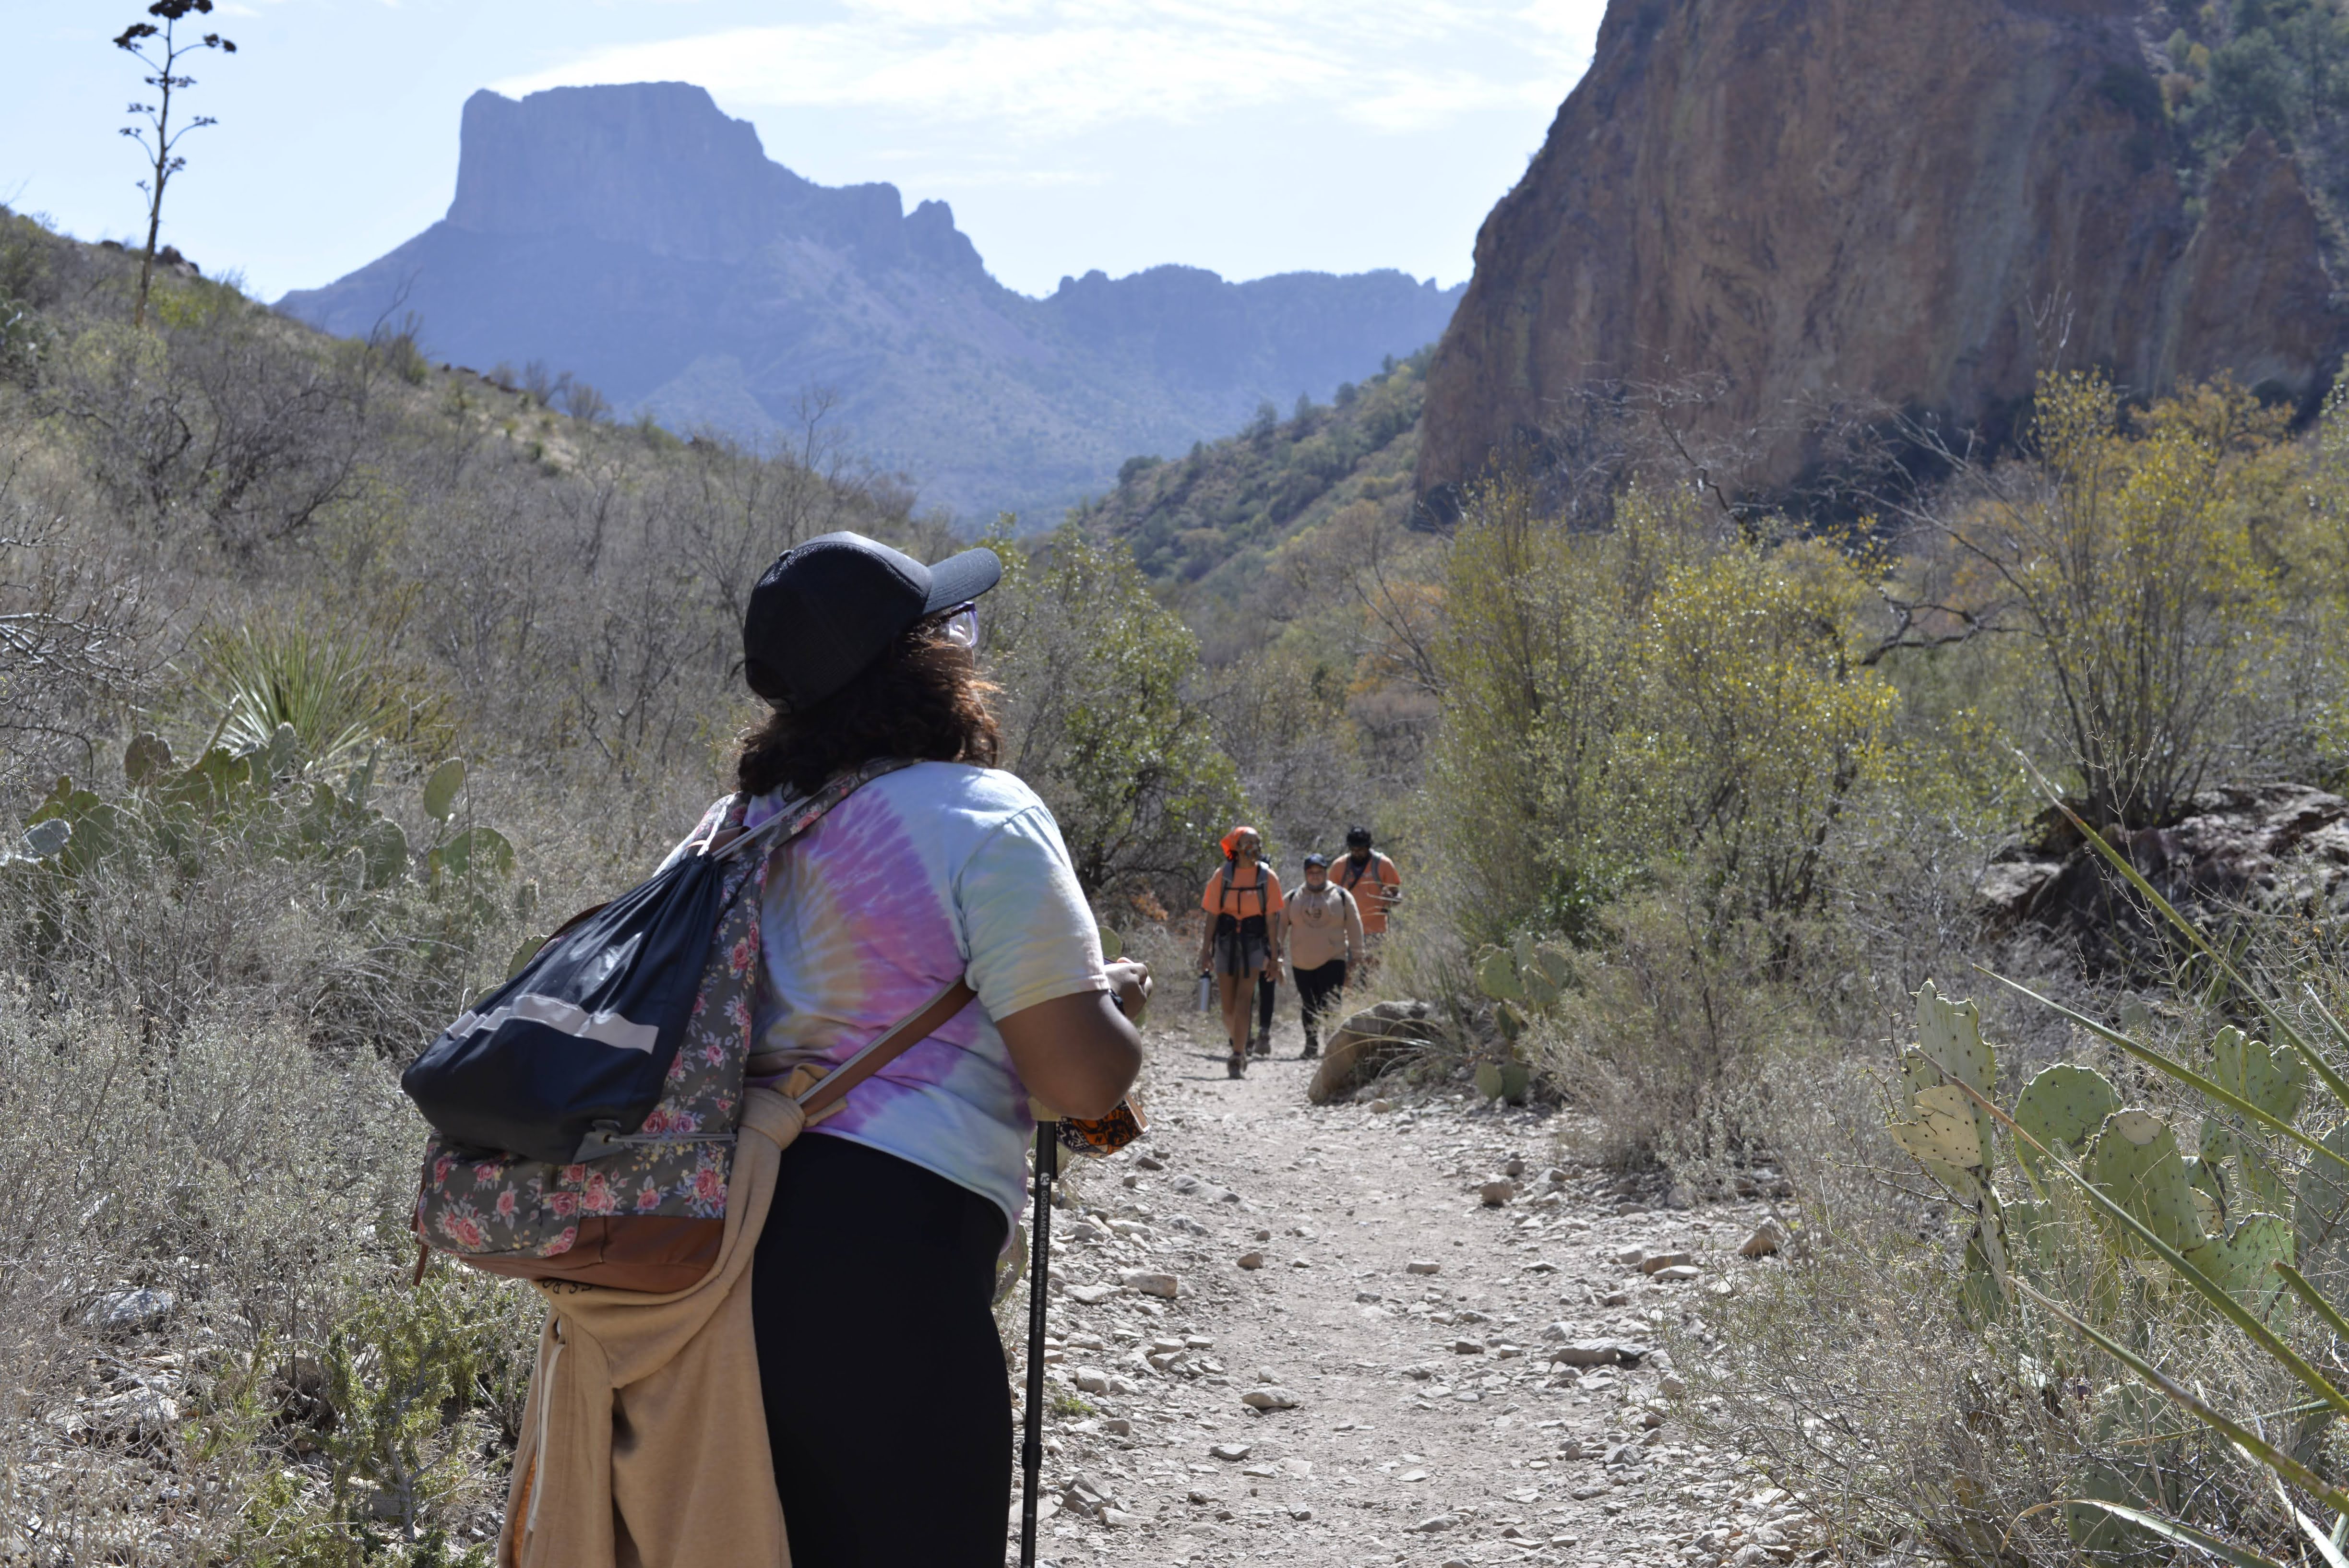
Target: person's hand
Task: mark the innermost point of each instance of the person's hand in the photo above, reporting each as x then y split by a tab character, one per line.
1130	980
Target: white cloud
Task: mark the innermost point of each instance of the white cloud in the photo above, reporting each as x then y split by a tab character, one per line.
1041	69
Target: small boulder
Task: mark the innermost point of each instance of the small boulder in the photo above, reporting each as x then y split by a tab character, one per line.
120	1312
1766	1239
1656	1263
1150	1282
1269	1396
1251	1260
1495	1193
1367	1044
1231	1453
1423	1266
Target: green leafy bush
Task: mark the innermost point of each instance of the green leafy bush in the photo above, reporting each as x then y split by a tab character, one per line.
1100	716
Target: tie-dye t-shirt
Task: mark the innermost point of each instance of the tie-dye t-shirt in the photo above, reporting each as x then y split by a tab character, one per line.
933	870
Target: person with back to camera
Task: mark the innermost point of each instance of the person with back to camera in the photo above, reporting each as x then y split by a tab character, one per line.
1372	878
1325	935
879	1364
1241	944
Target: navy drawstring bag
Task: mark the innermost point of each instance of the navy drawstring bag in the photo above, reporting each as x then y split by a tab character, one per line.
564	1062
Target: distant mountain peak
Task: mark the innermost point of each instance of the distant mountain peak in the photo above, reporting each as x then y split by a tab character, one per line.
659	166
639	238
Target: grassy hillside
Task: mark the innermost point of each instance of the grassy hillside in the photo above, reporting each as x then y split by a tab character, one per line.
1210	522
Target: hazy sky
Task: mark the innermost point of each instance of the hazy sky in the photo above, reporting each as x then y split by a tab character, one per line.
1249	135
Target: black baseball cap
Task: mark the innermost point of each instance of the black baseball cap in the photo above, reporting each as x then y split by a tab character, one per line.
1357	837
1317	859
829	607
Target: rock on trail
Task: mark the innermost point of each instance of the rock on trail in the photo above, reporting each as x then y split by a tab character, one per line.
1310	1334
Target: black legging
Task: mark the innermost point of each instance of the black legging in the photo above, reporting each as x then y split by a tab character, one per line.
1266	993
887	1405
1317	988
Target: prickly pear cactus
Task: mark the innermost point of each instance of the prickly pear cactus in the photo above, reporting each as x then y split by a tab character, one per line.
2244	1260
2062	1108
146	759
1949	1133
2272	1078
1950	1051
441	790
2136	1161
1528	974
1509	1080
1496	976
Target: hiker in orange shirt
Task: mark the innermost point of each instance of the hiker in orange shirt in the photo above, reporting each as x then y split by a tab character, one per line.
1372	878
1242	943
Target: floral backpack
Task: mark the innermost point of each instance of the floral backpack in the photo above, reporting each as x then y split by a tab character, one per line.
652	1216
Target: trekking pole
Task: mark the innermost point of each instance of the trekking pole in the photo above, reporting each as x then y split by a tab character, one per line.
1039	1267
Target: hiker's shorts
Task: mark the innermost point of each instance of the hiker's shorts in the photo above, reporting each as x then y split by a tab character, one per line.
1243	948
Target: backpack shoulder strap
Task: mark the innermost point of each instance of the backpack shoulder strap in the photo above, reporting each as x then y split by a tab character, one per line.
799	816
919	1026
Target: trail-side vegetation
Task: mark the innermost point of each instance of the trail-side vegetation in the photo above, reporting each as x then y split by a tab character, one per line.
330	676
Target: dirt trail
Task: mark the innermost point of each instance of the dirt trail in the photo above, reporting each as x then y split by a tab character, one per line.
1430	1424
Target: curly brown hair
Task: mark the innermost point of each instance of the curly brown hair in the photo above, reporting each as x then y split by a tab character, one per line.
923	699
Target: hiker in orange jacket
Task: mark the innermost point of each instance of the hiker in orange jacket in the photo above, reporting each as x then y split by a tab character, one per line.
1241	944
1372	878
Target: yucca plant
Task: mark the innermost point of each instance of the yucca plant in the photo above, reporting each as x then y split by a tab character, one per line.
334	691
2250	1226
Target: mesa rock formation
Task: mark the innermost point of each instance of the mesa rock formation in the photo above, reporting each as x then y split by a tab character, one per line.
1898	204
638	238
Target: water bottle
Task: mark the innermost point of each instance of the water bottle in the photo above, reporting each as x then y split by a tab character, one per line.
1206	992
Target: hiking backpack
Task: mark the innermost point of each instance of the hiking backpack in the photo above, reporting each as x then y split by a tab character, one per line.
638	1203
1262	888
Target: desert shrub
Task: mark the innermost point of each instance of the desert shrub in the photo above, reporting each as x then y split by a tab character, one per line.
1661	691
2142	559
218	427
1659	738
1100	716
72	620
1661	1035
262	1184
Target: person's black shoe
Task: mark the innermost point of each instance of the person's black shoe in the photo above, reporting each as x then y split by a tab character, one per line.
1235	1066
1313	1048
1262	1048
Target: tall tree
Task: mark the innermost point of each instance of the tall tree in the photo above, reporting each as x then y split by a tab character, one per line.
156	138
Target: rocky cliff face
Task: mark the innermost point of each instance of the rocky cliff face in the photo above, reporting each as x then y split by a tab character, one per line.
1918	203
641	240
